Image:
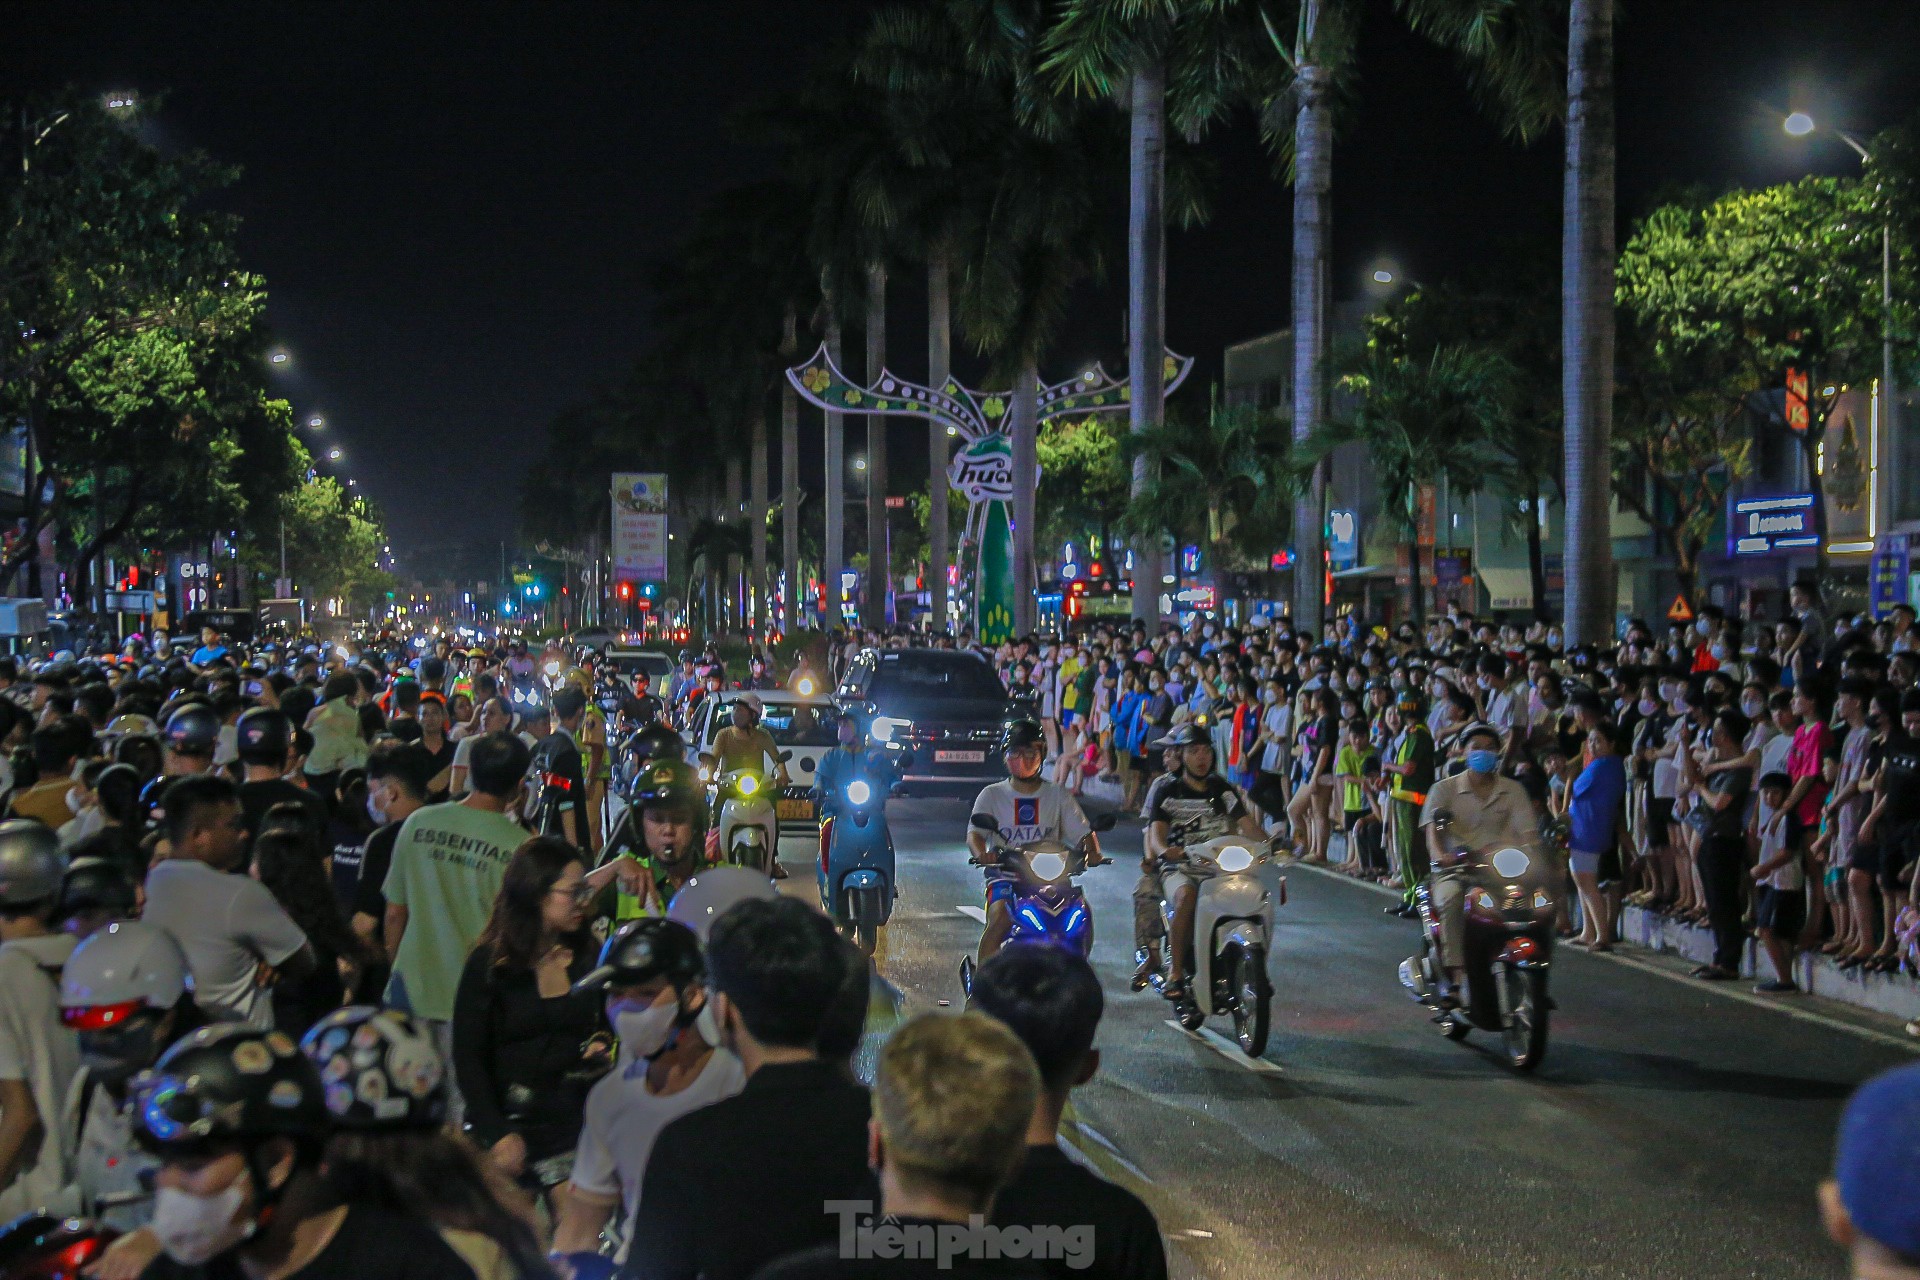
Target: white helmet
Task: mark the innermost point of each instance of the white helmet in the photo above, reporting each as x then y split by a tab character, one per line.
709	895
117	971
753	700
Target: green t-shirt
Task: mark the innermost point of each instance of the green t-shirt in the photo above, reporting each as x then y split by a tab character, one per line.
448	861
1352	761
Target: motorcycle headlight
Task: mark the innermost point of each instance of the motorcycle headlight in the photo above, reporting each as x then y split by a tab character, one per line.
1511	863
553	668
1048	866
804	686
858	792
749	785
1233	858
884	727
706	774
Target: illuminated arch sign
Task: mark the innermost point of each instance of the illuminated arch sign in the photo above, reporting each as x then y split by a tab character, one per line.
1773	524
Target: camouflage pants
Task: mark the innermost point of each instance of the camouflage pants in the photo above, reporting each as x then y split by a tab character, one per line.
1148	927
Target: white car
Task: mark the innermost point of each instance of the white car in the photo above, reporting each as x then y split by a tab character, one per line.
803	728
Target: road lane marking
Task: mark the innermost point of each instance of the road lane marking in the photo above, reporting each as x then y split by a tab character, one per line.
1777	1004
1228	1049
1107	1149
978	913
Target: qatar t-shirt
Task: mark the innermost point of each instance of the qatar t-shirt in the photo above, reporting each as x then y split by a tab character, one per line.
1048	814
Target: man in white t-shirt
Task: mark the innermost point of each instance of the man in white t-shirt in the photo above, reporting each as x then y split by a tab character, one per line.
1024	808
39	1057
231	928
653	976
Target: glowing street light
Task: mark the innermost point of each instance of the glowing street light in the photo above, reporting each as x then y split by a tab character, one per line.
278	356
1798	124
316	422
1383	276
334	454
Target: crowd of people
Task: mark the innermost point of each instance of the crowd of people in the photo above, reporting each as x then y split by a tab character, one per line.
320	961
297	979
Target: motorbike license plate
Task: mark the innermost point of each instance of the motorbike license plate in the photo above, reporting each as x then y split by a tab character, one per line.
794	810
959	757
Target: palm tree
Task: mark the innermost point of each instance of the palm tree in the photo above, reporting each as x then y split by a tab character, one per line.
1225	482
1421	419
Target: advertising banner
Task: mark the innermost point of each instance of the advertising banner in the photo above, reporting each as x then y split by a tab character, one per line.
1889	574
639	527
1768	524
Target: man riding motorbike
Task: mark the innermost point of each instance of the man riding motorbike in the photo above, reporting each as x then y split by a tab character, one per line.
1025	808
1487	812
1195	807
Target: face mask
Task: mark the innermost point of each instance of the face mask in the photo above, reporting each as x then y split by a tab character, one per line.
1269	696
1553	639
645	1032
376	811
707	1023
196	1229
1648	706
1667	690
1718	652
1752	707
1679	704
1482	760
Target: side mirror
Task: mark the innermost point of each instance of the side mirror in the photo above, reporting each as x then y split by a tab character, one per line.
786	756
984	822
1105	822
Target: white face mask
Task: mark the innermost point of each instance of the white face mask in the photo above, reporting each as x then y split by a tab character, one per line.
196	1229
707	1023
645	1032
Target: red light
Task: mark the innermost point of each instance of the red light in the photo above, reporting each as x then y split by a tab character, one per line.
1521	949
1094	570
624	590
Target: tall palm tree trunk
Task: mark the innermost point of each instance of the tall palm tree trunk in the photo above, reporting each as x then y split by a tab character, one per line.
1587	321
730	588
1312	237
1026	465
836	492
939	369
757	525
1146	304
790	481
875	612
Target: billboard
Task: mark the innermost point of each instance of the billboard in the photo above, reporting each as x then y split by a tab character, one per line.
639	526
1769	524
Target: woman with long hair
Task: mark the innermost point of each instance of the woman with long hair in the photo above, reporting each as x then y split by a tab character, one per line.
286	862
526	1048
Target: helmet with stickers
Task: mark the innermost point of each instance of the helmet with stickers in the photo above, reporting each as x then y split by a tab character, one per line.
380	1069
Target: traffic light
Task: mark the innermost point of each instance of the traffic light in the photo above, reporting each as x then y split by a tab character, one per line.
651	591
623	590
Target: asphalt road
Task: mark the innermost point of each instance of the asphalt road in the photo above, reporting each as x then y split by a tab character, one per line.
1671	1132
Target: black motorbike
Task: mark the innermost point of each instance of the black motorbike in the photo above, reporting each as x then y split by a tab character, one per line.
1509	912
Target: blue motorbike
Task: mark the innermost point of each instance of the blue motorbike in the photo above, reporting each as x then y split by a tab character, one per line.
856	864
1048	908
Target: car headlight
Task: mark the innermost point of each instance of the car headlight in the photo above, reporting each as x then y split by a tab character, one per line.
1048	866
1233	858
858	792
884	727
1511	863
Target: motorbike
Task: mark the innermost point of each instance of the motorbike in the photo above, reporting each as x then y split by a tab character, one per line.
856	865
749	832
39	1246
1509	915
1049	909
1232	938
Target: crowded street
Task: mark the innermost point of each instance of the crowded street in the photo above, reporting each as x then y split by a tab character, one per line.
1364	1144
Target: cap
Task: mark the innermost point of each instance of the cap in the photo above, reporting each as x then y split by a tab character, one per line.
1877	1159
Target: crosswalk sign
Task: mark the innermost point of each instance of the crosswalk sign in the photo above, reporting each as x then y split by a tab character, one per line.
1679	611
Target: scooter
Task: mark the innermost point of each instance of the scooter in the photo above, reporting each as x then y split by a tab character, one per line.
1048	908
1232	938
749	832
38	1246
856	866
1509	913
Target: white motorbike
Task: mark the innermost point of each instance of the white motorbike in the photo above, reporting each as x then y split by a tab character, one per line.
1232	937
749	829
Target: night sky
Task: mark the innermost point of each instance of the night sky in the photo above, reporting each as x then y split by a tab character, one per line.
456	205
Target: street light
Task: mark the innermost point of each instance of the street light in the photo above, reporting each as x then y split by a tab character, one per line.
278	356
334	454
1383	276
1799	124
316	422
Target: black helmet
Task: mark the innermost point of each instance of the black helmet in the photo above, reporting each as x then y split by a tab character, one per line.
97	884
669	784
229	1083
192	730
1021	733
657	742
380	1069
686	655
642	950
31	863
264	736
1189	734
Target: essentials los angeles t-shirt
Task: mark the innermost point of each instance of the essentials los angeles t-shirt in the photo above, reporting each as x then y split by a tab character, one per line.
448	861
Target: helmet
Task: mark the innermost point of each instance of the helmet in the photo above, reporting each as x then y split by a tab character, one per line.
712	893
642	950
752	700
193	729
97	884
657	742
1411	702
264	737
1190	734
129	726
380	1069
1021	733
116	972
686	655
31	863
228	1083
666	784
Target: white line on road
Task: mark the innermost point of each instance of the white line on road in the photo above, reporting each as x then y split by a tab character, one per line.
978	913
1228	1049
1778	1004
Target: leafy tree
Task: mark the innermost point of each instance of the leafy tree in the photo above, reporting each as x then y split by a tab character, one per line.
333	544
1084	480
